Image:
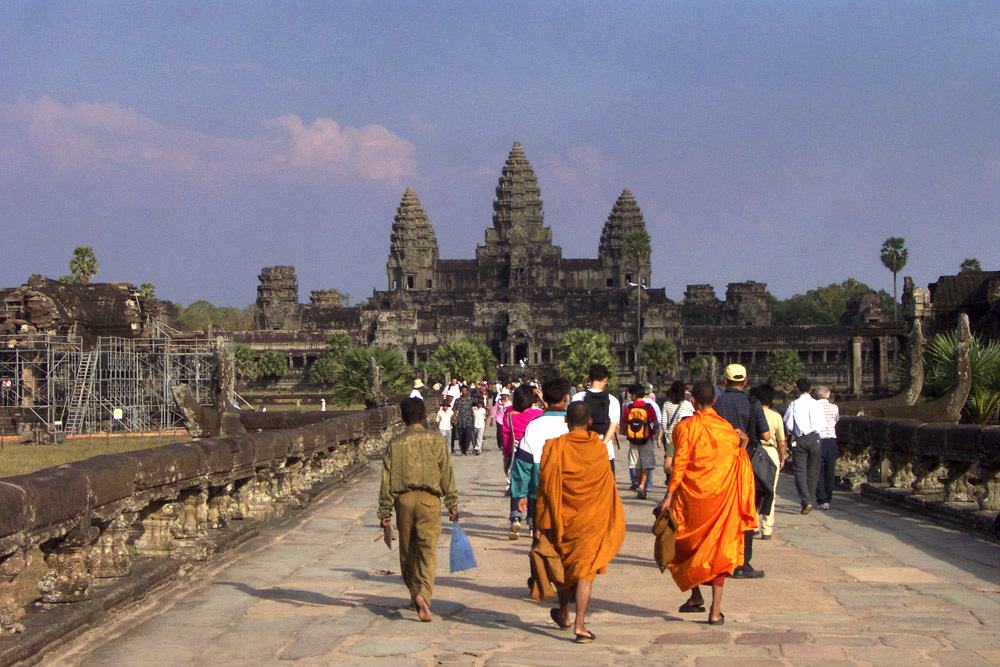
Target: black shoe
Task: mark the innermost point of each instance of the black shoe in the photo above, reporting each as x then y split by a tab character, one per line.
634	487
641	494
747	572
806	508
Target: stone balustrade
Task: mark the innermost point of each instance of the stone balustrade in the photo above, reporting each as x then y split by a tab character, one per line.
946	464
91	518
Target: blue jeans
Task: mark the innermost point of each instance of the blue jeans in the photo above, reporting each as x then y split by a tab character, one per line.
515	515
635	478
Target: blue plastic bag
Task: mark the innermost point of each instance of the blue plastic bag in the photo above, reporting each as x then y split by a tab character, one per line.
460	556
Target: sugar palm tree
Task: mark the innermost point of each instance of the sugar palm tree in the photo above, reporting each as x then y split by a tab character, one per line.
83	265
894	255
638	249
579	349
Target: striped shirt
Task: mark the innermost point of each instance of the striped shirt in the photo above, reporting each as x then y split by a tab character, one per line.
832	413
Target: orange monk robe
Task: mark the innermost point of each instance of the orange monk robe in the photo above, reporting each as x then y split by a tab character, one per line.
713	499
578	505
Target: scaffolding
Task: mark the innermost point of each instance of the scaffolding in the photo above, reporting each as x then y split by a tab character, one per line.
121	384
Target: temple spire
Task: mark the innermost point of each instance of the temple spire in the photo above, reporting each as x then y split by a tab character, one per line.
413	248
517	210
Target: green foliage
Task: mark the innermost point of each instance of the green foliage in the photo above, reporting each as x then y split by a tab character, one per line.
637	246
784	367
466	359
83	265
700	367
579	349
202	314
272	364
350	373
323	371
970	265
67	280
984	358
245	362
823	305
894	255
147	291
337	343
659	356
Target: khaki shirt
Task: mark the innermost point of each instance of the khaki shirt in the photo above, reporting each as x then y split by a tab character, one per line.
416	460
776	426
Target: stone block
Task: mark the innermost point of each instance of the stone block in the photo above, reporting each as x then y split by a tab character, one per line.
162	466
902	434
53	495
12	509
217	456
963	442
989	447
931	439
111	477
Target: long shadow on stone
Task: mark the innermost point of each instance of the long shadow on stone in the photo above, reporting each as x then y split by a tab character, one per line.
381	606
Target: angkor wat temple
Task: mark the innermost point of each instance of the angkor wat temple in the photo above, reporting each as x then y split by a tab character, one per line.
520	295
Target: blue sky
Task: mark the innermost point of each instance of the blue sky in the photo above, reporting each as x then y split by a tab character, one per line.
193	143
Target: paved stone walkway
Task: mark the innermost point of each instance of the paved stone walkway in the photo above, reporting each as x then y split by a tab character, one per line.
860	584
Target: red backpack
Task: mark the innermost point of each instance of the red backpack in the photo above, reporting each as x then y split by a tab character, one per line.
637	426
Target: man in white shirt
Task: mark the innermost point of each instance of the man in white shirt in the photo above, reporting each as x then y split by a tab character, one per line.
600	401
454	389
828	446
418	384
804	420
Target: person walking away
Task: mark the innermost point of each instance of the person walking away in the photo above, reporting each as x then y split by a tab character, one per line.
601	403
464	420
748	418
580	513
418	384
640	423
416	475
445	417
775	448
528	454
479	424
711	495
828	448
676	407
804	419
650	398
521	413
500	406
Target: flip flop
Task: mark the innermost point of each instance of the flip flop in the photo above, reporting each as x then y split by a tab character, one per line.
585	639
554	615
688	608
721	621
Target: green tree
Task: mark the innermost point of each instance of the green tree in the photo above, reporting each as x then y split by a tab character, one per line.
323	371
272	364
460	358
700	367
337	343
638	249
579	349
894	255
659	356
350	373
784	367
67	280
970	265
147	291
984	358
83	265
246	363
487	360
823	305
201	314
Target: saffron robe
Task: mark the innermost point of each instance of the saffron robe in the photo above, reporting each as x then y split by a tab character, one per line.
578	505
713	499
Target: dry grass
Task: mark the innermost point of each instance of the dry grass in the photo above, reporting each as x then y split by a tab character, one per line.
18	459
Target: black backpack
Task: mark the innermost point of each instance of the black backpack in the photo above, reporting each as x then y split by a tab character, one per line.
599	403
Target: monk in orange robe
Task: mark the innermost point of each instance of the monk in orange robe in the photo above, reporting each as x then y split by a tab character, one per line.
711	494
579	510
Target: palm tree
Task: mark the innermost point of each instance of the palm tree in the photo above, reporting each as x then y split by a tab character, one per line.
638	249
970	265
83	265
659	356
894	255
579	349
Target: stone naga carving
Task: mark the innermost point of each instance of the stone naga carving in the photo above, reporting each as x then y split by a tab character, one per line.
378	397
915	376
948	408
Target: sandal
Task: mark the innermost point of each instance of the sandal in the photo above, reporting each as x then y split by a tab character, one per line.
585	639
554	615
721	621
688	608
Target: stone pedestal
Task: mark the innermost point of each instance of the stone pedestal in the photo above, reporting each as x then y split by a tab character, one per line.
68	578
157	537
110	556
927	474
11	612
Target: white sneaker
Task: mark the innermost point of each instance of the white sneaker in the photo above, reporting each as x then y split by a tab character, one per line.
824	506
515	529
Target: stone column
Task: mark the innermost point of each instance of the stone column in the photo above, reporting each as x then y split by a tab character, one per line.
110	555
857	368
11	612
68	578
881	365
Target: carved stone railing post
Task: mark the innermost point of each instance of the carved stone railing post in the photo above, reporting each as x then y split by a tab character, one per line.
110	556
157	537
11	612
988	469
68	578
191	525
220	504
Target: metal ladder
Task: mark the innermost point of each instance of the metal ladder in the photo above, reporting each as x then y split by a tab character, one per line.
83	386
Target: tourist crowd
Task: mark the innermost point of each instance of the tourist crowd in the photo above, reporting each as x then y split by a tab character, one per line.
722	449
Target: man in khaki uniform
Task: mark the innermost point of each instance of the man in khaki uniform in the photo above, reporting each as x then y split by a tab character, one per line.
416	473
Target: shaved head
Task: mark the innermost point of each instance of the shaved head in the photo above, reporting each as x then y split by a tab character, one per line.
578	415
704	393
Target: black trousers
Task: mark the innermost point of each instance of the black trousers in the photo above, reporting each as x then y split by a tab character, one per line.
827	470
466	436
806	457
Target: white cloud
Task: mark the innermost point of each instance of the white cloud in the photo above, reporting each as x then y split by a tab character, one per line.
93	136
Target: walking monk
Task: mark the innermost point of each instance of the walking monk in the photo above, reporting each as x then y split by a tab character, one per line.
711	494
416	473
579	511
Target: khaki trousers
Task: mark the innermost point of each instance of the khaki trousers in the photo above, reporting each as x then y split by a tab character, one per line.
767	522
418	520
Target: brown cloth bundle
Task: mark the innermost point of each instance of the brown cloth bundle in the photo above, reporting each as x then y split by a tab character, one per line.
546	569
665	529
